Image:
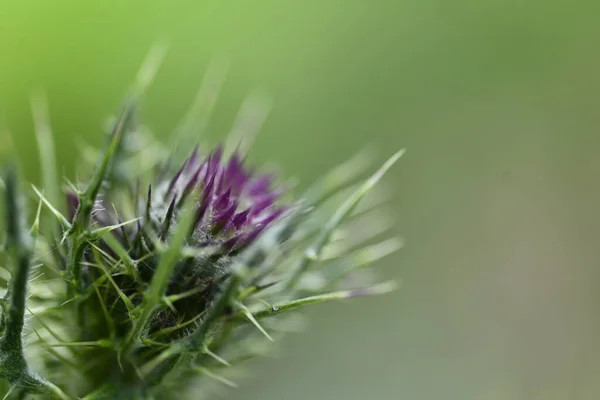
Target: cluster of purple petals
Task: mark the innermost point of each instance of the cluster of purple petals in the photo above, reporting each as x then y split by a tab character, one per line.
235	205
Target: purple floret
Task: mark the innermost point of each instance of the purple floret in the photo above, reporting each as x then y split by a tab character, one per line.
235	204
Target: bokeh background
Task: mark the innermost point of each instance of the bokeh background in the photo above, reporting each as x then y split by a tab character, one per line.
497	197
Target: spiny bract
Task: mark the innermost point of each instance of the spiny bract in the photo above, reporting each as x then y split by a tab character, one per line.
158	280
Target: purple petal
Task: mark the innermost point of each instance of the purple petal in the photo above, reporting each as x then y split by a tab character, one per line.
208	192
235	175
223	217
240	219
269	218
260	186
223	201
262	203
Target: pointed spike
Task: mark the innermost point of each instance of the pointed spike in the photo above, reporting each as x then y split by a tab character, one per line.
35	227
221	220
353	201
208	192
216	357
251	318
219	378
220	180
343	211
100	232
378	289
168	218
118	132
240	218
222	201
149	204
173	181
137	239
63	221
235	175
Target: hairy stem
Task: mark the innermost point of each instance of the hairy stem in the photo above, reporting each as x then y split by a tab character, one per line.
79	232
19	244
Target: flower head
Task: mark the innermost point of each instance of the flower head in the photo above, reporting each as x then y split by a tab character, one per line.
233	207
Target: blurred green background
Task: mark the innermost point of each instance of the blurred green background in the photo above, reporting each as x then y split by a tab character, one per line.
497	102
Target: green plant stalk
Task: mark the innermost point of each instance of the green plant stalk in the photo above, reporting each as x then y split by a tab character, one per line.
79	234
19	244
81	221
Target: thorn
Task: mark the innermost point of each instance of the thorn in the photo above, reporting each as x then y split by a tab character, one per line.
216	357
216	377
342	212
61	218
251	318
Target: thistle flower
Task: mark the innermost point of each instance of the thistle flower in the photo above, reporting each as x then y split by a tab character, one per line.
234	205
163	278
